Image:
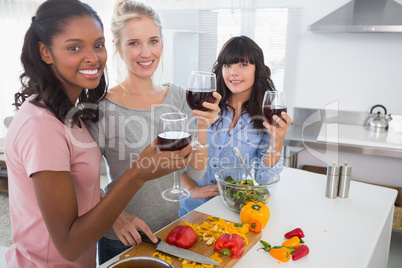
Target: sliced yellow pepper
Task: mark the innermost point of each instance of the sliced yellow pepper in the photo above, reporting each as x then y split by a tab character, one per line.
162	257
212	230
216	258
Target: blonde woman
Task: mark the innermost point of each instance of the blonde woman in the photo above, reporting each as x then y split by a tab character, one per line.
130	116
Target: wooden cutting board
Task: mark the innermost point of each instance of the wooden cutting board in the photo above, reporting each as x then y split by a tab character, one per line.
145	249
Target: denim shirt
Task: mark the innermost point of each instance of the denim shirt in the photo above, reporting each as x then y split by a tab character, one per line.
220	151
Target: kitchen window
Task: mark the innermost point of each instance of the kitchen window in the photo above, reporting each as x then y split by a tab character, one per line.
199	35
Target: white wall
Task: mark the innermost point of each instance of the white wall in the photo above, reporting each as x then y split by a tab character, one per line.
357	69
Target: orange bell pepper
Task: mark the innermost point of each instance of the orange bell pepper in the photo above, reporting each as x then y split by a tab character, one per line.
293	242
280	253
256	225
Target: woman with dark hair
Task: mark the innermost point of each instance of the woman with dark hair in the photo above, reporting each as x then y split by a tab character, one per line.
242	79
53	162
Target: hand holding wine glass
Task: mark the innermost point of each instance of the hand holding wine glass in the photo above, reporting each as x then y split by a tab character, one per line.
200	88
173	134
273	104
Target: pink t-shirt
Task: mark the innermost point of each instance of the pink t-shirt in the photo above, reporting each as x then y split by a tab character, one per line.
38	141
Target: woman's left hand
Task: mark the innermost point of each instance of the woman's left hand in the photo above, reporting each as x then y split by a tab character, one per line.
198	192
279	131
206	118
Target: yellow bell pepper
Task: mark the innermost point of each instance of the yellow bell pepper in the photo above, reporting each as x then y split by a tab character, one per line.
257	211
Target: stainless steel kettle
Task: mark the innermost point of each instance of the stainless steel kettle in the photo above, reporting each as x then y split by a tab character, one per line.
378	122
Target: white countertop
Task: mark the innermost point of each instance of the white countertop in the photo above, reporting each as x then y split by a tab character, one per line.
359	135
352	232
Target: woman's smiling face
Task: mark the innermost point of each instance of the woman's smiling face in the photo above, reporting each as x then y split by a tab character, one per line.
141	46
78	55
239	77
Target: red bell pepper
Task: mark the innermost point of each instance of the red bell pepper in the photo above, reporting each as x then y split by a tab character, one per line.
300	252
231	245
182	236
296	232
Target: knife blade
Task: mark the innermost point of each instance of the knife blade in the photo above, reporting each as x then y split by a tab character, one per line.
177	251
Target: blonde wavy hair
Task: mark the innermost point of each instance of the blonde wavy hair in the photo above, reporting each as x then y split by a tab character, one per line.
125	10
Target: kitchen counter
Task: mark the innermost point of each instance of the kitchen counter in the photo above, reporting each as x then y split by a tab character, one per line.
340	232
300	136
323	131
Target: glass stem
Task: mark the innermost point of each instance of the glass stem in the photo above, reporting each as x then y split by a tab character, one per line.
271	146
176	180
196	130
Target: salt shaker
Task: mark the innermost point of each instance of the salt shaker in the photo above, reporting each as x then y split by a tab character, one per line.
332	180
344	180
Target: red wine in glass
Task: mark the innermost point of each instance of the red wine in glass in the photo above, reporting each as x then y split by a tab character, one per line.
271	110
200	88
173	135
195	98
173	140
273	104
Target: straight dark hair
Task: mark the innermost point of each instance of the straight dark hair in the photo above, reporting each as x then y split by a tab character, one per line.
37	77
242	49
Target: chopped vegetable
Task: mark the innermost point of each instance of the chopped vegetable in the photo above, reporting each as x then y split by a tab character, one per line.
182	236
257	211
192	264
230	245
301	252
210	232
216	258
162	257
296	232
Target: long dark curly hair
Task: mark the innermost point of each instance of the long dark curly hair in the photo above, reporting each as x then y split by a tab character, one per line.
37	77
242	49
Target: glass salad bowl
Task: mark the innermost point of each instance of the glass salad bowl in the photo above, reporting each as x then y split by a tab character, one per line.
237	187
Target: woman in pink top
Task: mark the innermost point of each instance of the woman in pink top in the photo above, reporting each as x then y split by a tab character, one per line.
53	162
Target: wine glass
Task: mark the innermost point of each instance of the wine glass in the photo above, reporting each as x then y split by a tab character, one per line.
273	104
173	134
200	88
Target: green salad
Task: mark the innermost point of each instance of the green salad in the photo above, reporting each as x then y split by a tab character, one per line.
236	198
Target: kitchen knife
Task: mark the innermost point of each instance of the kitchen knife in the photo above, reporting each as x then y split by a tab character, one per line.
177	251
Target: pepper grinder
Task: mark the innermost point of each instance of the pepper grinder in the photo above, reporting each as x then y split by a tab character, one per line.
344	180
332	180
